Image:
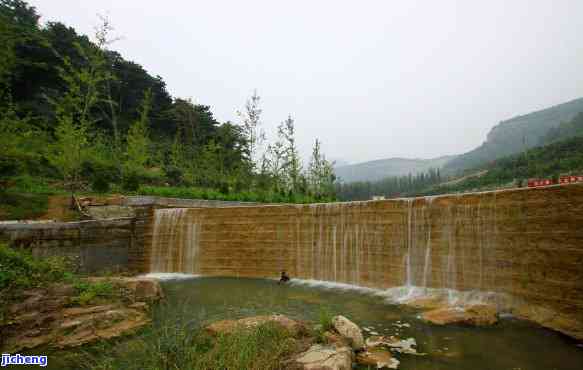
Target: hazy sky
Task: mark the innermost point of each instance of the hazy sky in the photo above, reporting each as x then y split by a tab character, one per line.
371	79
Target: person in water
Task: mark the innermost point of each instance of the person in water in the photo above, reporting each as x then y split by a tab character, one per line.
284	278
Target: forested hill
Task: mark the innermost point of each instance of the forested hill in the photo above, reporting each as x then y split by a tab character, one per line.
77	115
383	168
515	135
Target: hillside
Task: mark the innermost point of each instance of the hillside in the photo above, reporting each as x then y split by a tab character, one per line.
515	135
383	168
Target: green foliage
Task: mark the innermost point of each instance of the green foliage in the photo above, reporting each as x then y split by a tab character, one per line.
549	161
19	270
138	142
565	130
76	111
131	182
100	184
514	136
395	186
87	292
34	185
211	194
69	149
14	206
321	178
325	317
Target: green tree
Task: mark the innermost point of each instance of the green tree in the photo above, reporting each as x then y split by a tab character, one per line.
292	165
252	131
74	112
138	140
321	177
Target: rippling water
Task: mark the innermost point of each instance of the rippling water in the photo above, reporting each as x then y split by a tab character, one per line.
510	345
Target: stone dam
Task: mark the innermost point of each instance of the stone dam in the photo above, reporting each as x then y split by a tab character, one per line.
521	249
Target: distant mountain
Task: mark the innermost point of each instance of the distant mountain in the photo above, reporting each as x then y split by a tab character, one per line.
339	162
383	168
515	135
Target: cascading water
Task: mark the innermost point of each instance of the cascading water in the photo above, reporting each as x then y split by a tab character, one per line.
175	244
441	248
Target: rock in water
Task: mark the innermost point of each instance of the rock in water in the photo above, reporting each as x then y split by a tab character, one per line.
379	357
228	326
320	357
349	330
477	315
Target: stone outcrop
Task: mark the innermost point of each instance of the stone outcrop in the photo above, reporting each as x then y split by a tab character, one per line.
349	330
325	357
45	317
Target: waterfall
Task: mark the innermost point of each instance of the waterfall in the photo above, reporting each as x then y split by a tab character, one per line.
175	241
409	282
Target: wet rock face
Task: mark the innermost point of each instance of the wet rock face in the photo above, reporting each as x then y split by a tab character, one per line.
324	357
45	318
349	330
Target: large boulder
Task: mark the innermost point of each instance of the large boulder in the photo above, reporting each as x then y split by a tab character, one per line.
228	326
320	357
477	315
349	330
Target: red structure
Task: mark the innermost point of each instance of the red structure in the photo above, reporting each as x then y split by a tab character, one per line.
570	179
567	179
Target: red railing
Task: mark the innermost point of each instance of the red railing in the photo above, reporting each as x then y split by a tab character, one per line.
568	179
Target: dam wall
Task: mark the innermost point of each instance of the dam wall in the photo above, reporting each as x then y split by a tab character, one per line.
92	246
526	244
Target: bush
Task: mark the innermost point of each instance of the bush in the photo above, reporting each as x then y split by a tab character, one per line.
87	291
19	270
100	185
131	182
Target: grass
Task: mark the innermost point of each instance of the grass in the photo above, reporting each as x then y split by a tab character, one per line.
172	345
89	292
210	194
15	206
20	270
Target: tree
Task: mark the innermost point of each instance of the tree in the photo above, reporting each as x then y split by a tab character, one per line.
321	177
292	166
74	112
252	132
138	141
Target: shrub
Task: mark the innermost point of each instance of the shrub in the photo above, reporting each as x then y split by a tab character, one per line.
88	291
100	184
325	318
131	182
19	270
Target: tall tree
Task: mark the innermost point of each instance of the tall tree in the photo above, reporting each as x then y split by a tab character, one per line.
252	131
292	166
138	140
321	177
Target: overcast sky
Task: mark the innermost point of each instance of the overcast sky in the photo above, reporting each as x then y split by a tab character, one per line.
371	79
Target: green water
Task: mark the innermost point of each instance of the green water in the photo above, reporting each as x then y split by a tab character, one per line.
509	345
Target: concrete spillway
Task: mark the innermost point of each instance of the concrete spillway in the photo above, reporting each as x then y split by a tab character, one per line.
526	244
